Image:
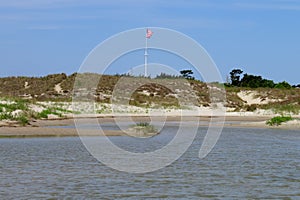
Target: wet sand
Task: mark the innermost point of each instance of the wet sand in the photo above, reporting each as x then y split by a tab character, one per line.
55	128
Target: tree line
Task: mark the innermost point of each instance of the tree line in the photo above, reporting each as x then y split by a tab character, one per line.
253	81
237	79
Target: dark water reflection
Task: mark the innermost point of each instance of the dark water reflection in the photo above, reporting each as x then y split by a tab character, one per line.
245	164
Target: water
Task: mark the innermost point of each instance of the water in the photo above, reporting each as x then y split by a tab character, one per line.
245	164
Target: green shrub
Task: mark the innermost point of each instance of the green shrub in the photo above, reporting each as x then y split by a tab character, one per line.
6	116
19	105
46	112
23	120
278	120
43	114
144	124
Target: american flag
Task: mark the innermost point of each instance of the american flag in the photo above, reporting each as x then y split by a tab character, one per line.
149	33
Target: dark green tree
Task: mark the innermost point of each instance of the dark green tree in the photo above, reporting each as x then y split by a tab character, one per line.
267	83
187	73
235	77
166	76
283	85
251	81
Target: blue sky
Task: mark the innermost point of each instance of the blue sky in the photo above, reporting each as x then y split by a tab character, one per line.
38	37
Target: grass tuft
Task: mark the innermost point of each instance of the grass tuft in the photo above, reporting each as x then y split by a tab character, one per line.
145	126
276	121
44	114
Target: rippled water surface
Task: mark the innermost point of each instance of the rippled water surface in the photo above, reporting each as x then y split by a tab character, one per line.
245	164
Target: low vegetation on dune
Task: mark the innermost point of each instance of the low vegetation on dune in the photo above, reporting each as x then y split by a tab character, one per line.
40	88
278	120
142	129
23	111
15	110
248	93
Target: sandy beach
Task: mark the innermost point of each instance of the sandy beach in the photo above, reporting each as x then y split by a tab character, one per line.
66	127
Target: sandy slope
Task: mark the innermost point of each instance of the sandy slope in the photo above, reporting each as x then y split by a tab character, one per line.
250	97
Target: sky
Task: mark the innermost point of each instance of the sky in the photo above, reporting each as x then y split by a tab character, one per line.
261	37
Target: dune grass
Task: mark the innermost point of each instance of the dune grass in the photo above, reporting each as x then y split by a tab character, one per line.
145	127
278	120
7	111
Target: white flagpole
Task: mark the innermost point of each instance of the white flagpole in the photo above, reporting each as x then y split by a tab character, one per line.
146	56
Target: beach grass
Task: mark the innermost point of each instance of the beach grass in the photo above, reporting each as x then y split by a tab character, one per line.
145	127
278	120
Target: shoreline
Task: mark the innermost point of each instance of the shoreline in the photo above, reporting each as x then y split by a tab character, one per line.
66	127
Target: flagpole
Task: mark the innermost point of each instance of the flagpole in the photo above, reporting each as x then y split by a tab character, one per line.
146	57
